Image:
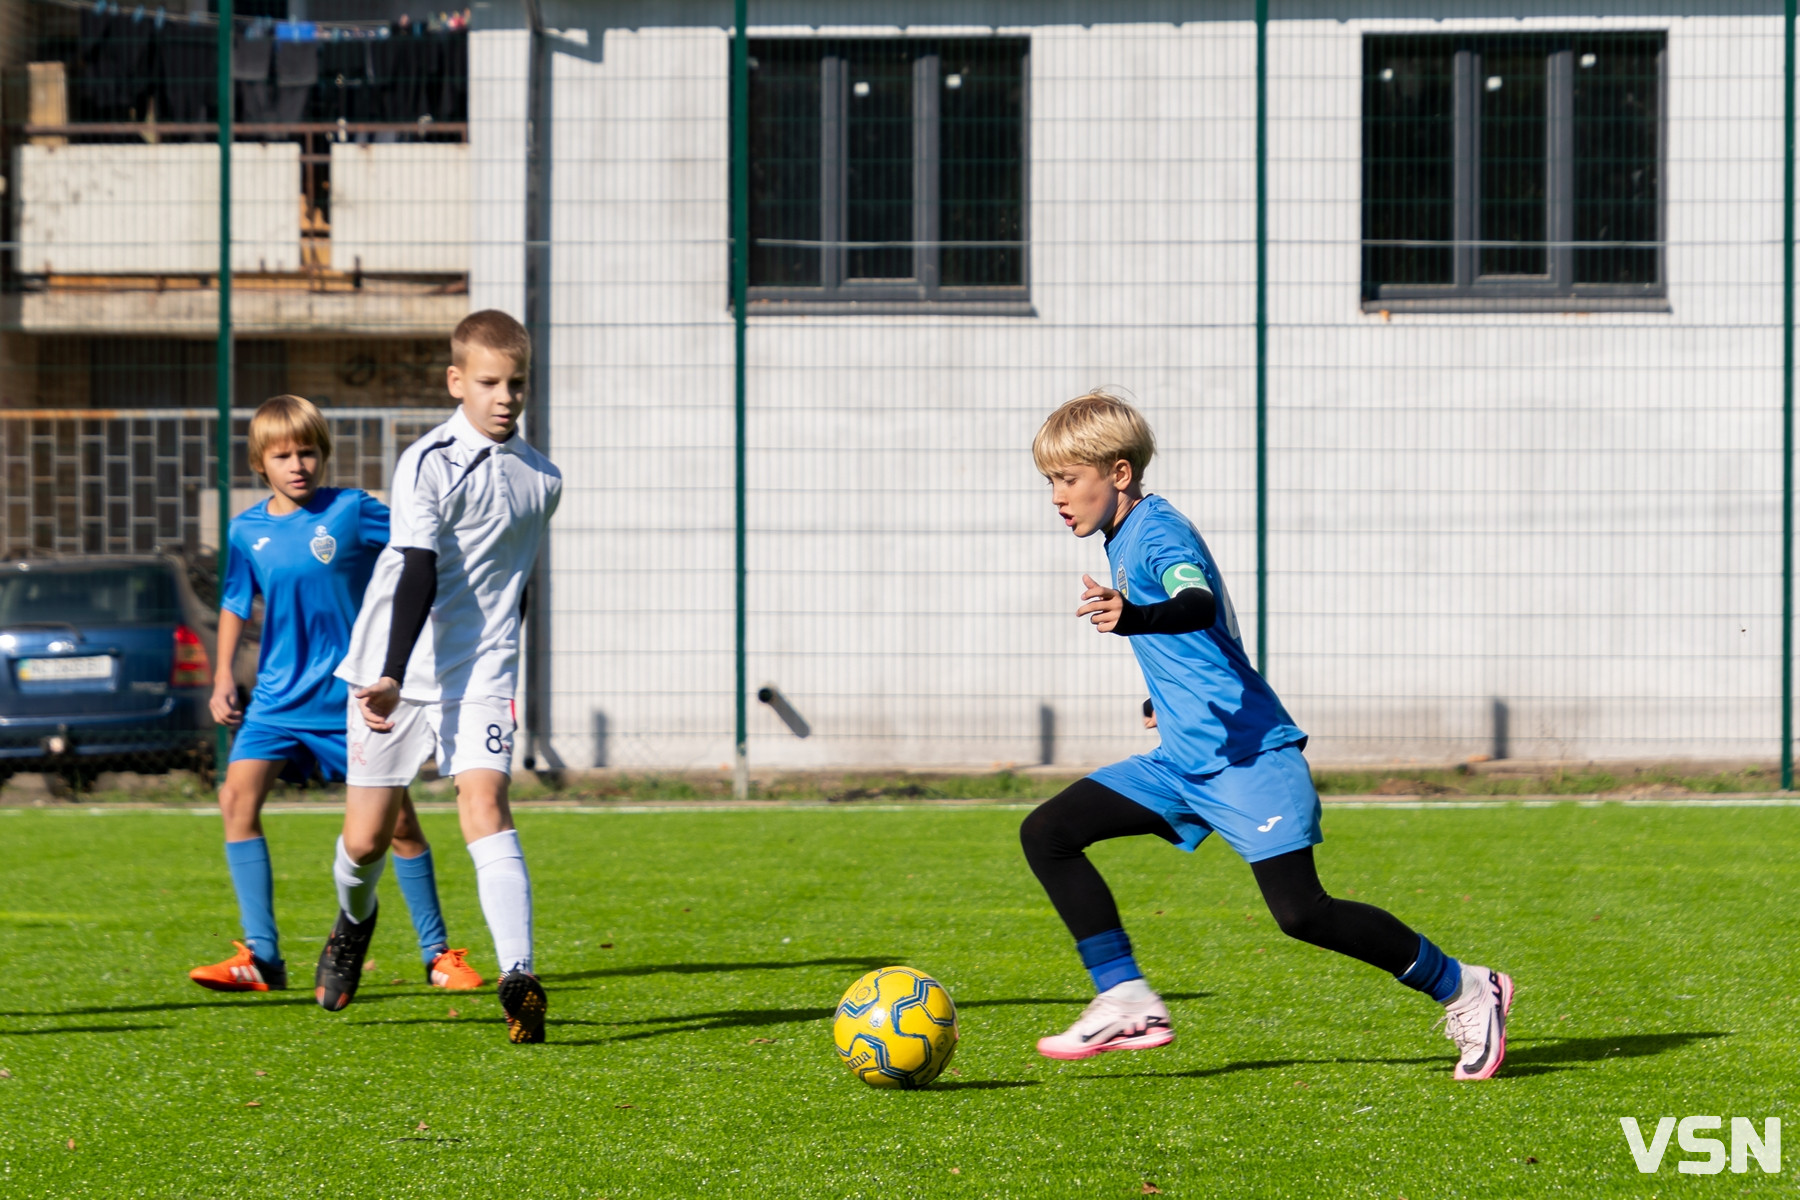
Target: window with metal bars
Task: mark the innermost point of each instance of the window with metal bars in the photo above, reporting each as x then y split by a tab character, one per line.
1513	172
887	170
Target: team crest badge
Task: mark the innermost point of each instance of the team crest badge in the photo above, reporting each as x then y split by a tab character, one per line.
323	545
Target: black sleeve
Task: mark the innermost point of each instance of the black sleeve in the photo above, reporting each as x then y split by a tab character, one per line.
413	597
525	601
1187	611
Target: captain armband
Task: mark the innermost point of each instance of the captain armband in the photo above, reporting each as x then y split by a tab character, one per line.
1190	608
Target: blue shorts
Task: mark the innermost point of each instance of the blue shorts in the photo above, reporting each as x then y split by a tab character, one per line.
300	749
1262	806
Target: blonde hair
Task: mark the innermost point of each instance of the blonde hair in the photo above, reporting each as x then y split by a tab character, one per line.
1094	430
284	420
494	330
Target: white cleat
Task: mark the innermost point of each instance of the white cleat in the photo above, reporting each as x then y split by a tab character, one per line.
1112	1023
1477	1022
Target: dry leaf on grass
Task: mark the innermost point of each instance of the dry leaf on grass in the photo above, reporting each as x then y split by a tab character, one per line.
761	1041
5	1074
71	1143
395	982
956	1170
260	1073
253	1104
606	945
1150	1189
421	1127
454	1013
624	1106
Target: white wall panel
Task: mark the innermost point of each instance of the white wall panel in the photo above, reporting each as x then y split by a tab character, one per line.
154	209
401	207
1574	514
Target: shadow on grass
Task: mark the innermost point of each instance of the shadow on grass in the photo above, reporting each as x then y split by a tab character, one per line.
1535	1056
863	964
472	1019
699	1022
81	1029
1540	1056
225	1000
978	1085
1071	1002
702	1022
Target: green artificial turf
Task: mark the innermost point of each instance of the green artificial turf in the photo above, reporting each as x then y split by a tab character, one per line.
693	958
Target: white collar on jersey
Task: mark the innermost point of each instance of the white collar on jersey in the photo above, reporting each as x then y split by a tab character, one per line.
464	431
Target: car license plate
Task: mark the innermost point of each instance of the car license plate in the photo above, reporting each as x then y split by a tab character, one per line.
57	670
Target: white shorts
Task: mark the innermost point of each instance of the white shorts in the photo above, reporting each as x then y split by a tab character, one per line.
463	735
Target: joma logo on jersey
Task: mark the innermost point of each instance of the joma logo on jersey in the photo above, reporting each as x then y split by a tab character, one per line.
1745	1145
1123	590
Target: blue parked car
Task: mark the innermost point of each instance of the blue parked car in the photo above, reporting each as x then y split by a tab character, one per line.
104	661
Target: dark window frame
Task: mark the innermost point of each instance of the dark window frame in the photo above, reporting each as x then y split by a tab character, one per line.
924	293
1556	290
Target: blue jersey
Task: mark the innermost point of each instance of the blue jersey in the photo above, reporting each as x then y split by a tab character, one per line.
310	567
1212	707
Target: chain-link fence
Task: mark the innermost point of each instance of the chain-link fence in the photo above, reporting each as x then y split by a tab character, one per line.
349	223
1462	334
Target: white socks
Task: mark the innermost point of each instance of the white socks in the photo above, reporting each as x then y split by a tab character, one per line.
1132	991
356	883
505	890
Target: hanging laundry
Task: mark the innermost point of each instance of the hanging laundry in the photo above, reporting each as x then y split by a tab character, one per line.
187	72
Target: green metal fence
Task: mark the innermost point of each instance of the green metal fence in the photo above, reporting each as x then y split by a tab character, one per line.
1467	336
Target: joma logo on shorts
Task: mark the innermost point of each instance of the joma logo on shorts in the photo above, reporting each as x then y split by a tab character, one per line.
1745	1145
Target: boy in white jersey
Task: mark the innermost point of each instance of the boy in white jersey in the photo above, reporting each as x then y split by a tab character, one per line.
433	661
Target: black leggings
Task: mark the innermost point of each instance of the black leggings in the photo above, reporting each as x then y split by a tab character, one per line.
1059	830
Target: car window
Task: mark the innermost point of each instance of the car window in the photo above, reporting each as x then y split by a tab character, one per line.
125	595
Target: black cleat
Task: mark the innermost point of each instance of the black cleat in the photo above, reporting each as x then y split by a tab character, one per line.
341	962
523	999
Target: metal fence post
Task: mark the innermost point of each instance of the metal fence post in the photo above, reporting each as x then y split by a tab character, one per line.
540	94
1262	336
1787	401
740	272
223	359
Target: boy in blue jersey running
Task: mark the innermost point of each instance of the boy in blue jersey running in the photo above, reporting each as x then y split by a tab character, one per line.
1230	761
308	551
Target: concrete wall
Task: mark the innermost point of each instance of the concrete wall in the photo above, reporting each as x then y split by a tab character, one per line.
1574	515
401	208
147	210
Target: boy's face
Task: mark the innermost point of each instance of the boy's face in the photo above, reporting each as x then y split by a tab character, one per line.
1087	497
292	470
491	386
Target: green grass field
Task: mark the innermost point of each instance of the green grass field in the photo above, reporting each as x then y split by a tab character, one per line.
693	960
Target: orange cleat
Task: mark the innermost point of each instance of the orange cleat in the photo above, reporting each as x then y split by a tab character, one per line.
452	972
242	972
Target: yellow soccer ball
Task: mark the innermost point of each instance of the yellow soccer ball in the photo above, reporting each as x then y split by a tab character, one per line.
895	1028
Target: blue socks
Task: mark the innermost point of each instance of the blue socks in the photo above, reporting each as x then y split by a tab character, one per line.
418	883
1433	972
255	885
1107	956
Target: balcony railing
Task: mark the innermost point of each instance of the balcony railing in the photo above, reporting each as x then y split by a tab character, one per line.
110	482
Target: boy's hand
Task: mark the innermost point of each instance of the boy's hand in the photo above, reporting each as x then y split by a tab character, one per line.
377	702
1101	605
224	703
